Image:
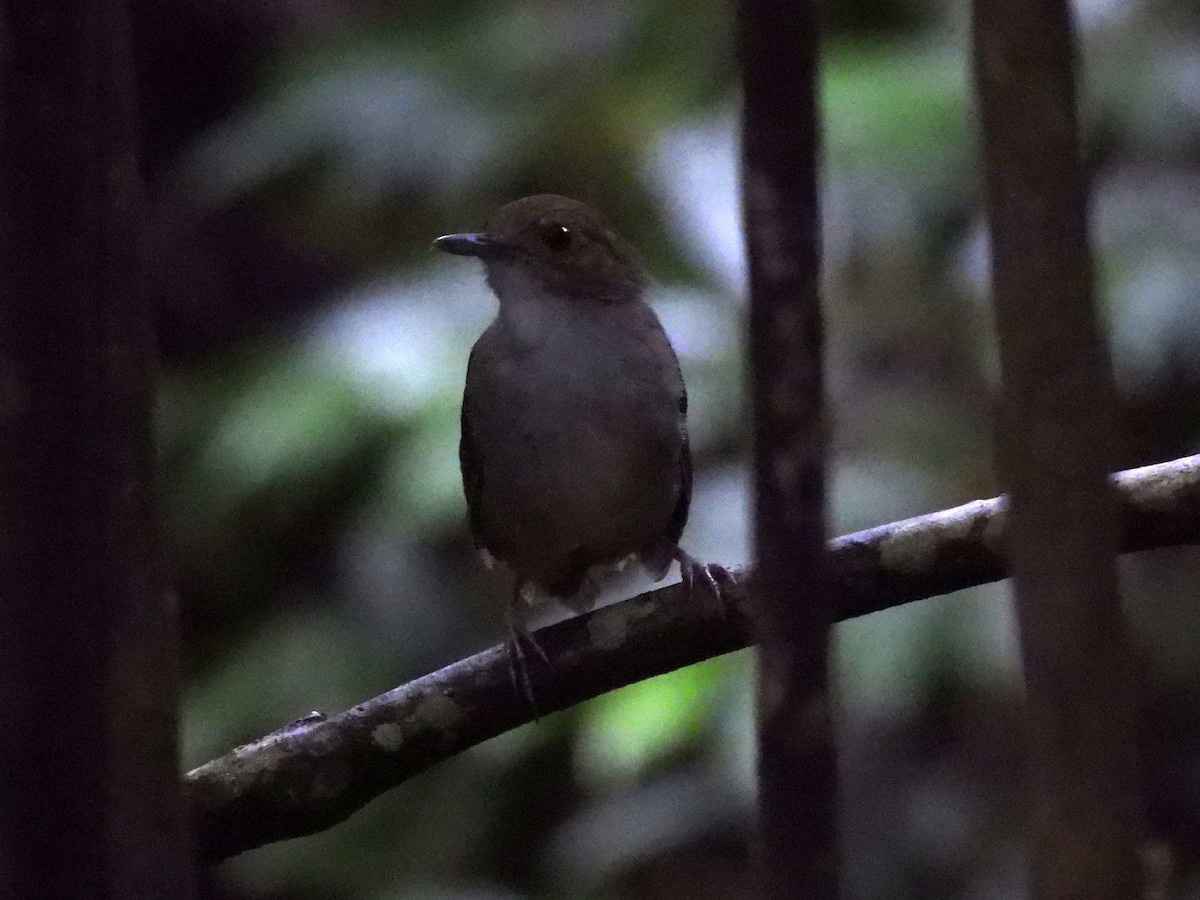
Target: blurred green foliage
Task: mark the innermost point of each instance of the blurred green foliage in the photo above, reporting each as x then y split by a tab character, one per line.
310	474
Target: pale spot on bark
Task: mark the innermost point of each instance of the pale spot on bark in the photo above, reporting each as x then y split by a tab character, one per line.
608	630
1156	490
389	736
912	545
907	548
609	627
437	712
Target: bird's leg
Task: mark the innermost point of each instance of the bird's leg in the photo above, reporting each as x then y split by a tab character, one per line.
519	635
697	576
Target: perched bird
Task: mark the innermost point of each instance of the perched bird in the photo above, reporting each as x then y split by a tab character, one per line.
574	448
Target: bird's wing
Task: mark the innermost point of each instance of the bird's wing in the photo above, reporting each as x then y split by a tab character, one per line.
680	516
468	463
658	557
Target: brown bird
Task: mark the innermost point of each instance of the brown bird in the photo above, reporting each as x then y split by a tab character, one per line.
574	449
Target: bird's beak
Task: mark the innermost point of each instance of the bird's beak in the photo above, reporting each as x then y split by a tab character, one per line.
484	246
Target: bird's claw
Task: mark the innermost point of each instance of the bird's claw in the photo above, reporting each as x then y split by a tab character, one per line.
518	664
708	577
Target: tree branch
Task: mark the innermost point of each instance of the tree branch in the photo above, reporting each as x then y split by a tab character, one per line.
316	772
88	648
1054	448
790	614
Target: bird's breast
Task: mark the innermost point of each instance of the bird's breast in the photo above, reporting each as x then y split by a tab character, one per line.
588	413
579	440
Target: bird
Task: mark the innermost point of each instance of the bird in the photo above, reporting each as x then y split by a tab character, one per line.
574	443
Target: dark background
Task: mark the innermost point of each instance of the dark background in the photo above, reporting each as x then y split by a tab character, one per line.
302	155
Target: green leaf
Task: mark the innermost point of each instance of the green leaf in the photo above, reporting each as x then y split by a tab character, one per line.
627	731
895	109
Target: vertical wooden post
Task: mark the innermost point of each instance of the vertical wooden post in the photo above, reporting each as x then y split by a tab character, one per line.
792	612
90	804
1055	450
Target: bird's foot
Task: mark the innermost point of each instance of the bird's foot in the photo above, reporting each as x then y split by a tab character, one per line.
703	577
519	638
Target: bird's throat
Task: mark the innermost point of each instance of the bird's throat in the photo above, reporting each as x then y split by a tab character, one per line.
529	314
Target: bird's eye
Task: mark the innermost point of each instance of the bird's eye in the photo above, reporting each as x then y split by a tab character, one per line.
557	238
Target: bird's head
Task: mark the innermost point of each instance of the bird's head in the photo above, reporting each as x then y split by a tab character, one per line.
556	245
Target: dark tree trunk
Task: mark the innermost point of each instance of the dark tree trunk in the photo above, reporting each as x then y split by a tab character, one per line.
792	609
1055	450
90	805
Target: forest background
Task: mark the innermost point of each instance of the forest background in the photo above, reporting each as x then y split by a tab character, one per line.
301	157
